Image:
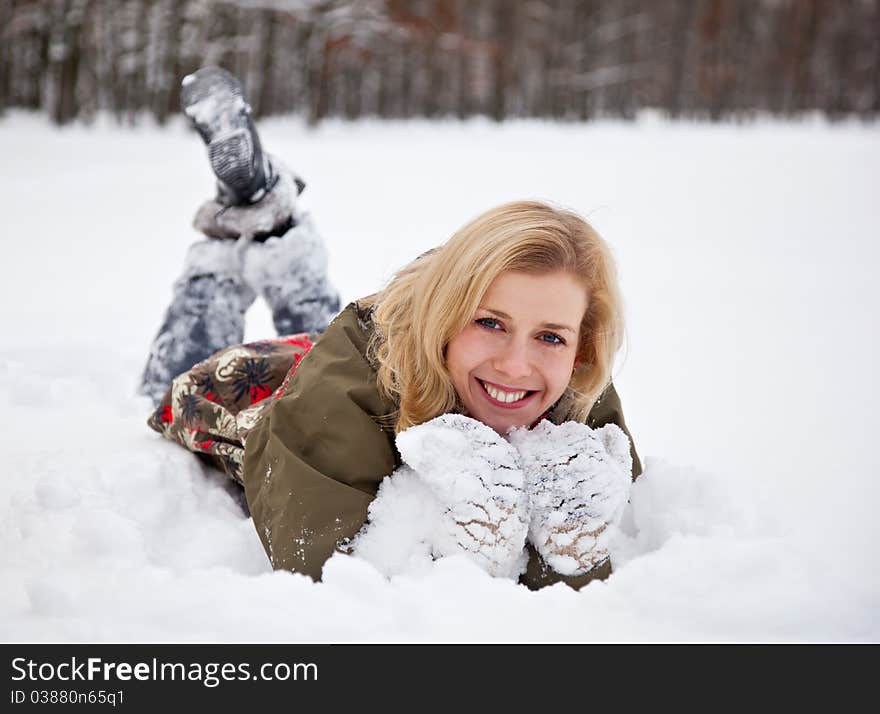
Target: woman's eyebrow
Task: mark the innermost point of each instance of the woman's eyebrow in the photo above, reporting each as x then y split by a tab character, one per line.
548	325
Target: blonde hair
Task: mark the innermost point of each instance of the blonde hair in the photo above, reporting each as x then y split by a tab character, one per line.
433	298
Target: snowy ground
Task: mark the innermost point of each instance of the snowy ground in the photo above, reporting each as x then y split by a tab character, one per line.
747	257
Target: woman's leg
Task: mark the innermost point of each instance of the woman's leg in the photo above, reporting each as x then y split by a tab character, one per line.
290	271
211	297
258	241
283	256
211	408
206	314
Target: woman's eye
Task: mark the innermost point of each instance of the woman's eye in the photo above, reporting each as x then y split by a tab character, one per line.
552	338
488	322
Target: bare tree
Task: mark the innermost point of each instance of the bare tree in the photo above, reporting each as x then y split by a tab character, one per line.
567	59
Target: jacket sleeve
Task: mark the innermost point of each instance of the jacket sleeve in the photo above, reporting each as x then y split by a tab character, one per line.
314	462
606	410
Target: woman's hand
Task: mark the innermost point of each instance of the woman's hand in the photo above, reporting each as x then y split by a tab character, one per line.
578	482
475	476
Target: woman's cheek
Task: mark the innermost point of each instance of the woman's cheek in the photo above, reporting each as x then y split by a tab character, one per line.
554	359
561	368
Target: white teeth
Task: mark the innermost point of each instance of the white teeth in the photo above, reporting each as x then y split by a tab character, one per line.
501	396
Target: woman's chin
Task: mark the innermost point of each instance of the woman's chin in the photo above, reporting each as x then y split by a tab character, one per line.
503	425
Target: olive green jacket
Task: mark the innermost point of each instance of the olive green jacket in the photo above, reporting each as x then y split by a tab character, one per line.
314	462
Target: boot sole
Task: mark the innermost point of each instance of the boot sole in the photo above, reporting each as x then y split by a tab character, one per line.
213	100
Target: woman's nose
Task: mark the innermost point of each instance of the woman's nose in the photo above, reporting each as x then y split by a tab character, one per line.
513	361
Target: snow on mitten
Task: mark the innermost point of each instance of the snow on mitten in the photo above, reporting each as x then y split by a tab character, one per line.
474	475
578	482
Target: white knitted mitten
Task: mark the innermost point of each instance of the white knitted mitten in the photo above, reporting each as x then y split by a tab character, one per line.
578	482
474	475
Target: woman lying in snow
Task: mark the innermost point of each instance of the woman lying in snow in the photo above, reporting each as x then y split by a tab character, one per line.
479	377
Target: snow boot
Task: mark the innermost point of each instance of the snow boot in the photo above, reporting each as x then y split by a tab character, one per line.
213	101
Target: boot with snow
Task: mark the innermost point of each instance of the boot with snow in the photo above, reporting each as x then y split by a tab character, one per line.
213	101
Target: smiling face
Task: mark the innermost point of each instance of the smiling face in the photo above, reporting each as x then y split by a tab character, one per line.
515	357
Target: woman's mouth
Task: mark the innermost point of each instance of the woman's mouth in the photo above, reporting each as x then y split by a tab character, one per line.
505	397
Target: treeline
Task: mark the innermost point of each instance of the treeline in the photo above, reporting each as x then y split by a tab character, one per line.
565	59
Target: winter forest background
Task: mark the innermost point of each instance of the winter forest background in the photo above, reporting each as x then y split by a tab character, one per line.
565	59
728	151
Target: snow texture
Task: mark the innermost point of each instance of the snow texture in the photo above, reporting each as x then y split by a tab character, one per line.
748	257
578	481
